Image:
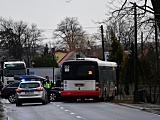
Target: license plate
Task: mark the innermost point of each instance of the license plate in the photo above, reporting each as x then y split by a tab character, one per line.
22	93
36	92
29	93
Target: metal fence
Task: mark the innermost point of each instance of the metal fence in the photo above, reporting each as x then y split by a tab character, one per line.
145	93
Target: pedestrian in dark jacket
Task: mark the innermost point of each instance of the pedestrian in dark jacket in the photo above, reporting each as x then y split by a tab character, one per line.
58	82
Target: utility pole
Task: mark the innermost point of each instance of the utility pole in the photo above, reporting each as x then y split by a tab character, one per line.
53	57
135	56
157	56
156	41
102	42
142	43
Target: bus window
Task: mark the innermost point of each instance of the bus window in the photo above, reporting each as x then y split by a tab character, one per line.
15	66
85	70
73	71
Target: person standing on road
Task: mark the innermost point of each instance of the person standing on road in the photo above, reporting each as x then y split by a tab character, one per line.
58	82
48	86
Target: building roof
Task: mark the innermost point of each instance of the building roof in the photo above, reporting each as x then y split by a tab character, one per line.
66	55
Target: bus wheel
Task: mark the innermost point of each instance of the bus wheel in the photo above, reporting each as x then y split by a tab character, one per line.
107	99
97	99
83	99
112	98
12	98
101	100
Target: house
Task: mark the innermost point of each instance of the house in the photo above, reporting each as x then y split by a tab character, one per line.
63	55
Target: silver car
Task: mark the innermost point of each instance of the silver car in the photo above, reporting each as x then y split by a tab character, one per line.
31	92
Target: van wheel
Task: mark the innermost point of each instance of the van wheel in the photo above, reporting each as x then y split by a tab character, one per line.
112	98
12	98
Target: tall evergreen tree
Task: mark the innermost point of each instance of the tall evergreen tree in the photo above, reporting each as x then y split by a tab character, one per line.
116	52
46	60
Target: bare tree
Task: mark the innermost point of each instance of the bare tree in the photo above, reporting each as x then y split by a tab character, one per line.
32	40
122	21
71	34
154	9
17	37
147	17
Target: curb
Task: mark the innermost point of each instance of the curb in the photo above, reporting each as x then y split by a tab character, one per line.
151	110
2	112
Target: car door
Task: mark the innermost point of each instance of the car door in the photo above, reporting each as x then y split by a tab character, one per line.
11	88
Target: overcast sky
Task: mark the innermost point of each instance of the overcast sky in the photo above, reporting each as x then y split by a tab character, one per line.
48	13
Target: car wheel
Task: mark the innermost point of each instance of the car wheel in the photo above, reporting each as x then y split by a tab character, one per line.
12	98
53	97
44	102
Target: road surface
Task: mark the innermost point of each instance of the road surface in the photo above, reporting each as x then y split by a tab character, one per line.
88	110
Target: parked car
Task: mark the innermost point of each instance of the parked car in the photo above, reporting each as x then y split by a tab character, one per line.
8	92
29	78
31	91
55	94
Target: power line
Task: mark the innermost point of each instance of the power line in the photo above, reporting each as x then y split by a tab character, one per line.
90	27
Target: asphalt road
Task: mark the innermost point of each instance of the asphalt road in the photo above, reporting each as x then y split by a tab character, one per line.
76	111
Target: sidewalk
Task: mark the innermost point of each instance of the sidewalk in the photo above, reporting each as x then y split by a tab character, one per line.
2	112
148	107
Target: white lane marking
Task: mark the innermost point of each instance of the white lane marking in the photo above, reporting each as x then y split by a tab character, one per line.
77	116
72	113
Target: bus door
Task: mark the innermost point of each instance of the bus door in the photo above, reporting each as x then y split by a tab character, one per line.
104	82
109	81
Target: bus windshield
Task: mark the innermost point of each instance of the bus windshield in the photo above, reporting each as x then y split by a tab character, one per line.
15	66
79	71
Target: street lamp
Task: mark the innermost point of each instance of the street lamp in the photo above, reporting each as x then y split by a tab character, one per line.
102	42
53	57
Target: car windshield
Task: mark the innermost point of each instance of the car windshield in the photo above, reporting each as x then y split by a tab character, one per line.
29	85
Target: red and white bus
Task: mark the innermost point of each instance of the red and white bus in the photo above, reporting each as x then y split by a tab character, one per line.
85	78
